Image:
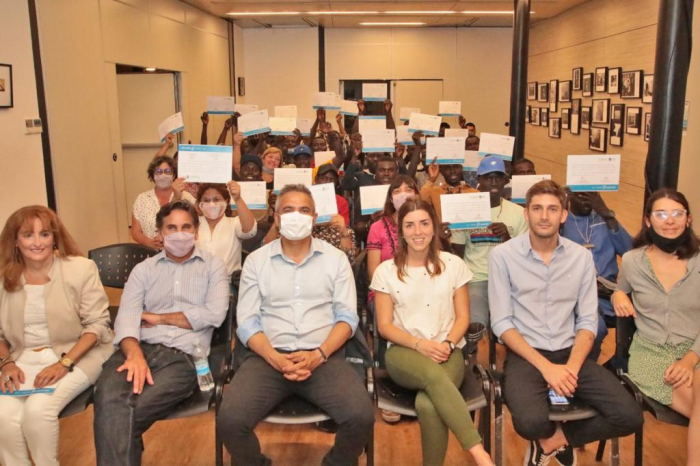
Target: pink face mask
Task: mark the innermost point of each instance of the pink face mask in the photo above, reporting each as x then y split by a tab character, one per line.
400	199
179	244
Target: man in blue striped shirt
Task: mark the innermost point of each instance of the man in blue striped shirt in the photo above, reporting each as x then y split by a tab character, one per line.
172	302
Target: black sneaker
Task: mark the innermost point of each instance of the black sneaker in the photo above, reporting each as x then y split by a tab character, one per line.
566	456
535	456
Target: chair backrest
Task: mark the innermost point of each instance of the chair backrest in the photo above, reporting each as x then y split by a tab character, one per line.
359	270
625	329
224	333
116	261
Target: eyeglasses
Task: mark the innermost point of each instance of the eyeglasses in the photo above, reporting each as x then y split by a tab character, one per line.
662	215
167	171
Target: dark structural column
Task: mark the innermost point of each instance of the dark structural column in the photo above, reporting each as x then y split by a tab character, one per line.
321	59
673	47
518	79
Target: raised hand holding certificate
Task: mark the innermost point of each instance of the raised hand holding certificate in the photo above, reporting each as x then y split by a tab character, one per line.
403	136
285	176
286	111
496	144
244	109
172	124
448	151
372	198
348	107
221	105
448	108
372	122
465	211
254	123
304	126
327	100
204	164
374	92
323	156
429	124
405	113
593	172
521	183
378	140
253	194
456	133
324	199
282	126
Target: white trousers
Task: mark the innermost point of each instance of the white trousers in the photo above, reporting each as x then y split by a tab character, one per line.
32	421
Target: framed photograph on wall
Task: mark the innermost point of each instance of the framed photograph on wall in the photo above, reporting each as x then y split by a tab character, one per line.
647	126
575	116
535	116
565	118
631	84
601	79
634	120
601	111
614	80
544	117
565	91
532	91
598	139
6	88
542	92
588	85
553	95
617	124
648	88
576	76
585	117
555	128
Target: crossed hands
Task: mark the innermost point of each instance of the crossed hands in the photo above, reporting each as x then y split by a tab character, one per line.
296	366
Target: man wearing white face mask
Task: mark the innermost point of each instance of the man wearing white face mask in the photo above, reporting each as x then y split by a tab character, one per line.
297	307
171	302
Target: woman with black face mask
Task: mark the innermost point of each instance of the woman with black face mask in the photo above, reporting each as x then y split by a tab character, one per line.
663	276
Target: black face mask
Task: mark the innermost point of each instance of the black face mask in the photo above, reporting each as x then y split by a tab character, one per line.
668	245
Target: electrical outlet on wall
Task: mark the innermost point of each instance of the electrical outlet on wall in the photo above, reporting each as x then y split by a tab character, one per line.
33	126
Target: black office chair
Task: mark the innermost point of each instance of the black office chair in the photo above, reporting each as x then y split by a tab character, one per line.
574	411
359	271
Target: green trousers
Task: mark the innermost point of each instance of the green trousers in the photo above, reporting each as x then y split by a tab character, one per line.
439	403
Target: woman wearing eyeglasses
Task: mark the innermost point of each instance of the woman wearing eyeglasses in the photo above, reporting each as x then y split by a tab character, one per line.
162	171
663	276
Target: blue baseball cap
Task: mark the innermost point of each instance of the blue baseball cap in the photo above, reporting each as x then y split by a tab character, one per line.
491	164
302	150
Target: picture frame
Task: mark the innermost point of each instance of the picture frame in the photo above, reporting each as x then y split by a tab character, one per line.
6	86
565	118
648	88
617	124
544	117
553	95
631	84
527	114
564	91
575	123
633	121
535	116
576	76
542	92
600	113
555	128
241	86
587	89
601	79
598	139
647	126
585	117
532	91
614	80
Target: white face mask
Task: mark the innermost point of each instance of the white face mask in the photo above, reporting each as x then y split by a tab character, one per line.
212	210
296	226
163	181
179	244
400	199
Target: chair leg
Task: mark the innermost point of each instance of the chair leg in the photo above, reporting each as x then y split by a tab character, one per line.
639	447
485	420
615	452
601	451
370	450
498	426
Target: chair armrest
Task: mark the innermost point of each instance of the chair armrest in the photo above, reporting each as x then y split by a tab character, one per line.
496	387
632	388
370	383
483	376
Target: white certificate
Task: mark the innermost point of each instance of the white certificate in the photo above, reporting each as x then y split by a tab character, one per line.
204	164
172	124
244	109
593	172
282	126
378	140
254	123
374	92
429	124
471	160
465	211
448	151
521	183
286	111
348	107
496	144
323	156
304	126
457	133
404	137
324	198
221	105
285	176
27	388
372	122
327	100
405	113
372	198
450	108
253	194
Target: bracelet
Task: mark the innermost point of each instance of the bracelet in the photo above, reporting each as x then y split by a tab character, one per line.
323	354
415	346
5	363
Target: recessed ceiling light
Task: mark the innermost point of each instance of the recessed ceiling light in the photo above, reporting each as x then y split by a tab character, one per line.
392	24
150	70
264	13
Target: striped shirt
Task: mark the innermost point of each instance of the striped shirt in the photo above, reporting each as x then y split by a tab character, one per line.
198	287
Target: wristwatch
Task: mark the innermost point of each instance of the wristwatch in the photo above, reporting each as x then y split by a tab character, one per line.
610	216
452	345
66	362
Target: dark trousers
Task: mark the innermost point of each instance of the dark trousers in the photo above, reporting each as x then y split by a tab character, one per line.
257	388
526	397
121	417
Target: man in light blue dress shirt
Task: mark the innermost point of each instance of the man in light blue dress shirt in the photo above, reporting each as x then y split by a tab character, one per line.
296	309
171	302
544	308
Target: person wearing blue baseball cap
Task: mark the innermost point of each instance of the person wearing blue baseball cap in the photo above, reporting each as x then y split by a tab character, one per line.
475	245
302	156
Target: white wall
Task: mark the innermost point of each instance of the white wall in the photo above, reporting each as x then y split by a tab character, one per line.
21	157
